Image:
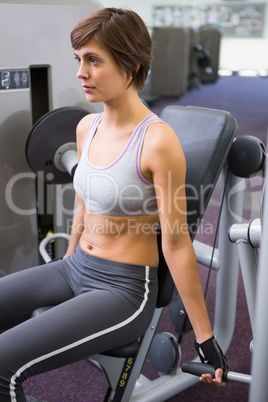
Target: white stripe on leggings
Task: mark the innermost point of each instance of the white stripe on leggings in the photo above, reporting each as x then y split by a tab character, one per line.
81	341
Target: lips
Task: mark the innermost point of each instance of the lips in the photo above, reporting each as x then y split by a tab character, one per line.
87	88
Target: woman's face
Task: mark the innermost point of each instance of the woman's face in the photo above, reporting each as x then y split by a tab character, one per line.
101	77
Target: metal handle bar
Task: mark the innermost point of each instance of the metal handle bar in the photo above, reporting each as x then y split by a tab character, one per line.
47	240
200	368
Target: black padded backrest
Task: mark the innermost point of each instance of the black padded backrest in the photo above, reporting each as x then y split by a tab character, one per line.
206	137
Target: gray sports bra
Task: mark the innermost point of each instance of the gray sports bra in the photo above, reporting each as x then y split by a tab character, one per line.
117	189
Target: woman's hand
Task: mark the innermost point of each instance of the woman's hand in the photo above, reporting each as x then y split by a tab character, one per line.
210	352
207	378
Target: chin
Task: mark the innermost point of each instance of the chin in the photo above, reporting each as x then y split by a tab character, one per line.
92	99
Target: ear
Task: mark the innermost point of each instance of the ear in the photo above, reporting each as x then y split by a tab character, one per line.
138	67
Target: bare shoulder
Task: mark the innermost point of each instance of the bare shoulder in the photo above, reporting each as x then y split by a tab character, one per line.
162	142
84	124
82	130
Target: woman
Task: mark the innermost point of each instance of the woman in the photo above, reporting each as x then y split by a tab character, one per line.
105	287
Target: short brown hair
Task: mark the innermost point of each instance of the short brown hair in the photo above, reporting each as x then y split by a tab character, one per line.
124	34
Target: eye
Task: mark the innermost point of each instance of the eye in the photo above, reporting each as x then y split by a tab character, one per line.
93	60
77	59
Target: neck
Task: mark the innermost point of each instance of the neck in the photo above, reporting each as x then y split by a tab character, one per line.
126	110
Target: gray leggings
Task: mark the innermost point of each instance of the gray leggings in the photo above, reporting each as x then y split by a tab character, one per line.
99	305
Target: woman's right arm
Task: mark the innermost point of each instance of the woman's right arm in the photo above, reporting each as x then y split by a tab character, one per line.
77	226
78	220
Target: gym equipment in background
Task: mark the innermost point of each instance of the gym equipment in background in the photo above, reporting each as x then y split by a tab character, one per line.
170	63
210	39
38	75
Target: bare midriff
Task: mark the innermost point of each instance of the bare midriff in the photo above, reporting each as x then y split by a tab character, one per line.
128	239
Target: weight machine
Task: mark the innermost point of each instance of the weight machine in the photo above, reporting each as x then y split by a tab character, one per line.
247	157
206	159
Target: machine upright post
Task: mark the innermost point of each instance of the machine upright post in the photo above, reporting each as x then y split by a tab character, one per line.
248	262
259	387
227	277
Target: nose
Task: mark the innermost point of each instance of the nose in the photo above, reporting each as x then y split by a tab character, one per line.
82	72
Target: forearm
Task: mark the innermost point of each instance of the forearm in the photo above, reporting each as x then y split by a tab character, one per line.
75	237
77	228
184	270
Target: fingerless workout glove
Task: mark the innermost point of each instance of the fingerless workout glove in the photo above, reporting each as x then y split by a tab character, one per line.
211	353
